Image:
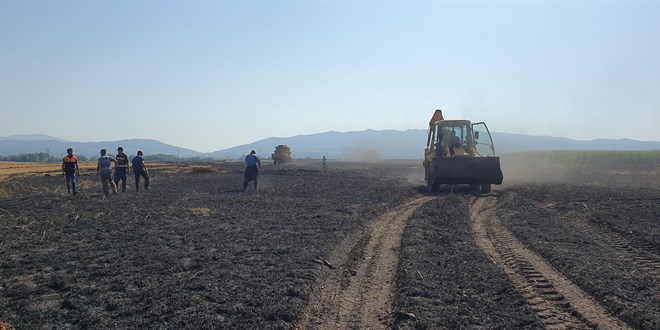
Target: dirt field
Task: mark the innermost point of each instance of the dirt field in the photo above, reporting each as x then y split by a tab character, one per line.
14	169
360	246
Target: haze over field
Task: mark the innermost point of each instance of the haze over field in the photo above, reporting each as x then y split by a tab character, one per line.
213	75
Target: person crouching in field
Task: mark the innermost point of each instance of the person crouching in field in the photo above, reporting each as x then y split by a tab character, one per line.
69	170
121	169
104	167
251	171
140	170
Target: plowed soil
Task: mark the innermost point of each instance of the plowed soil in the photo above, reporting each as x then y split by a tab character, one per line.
358	247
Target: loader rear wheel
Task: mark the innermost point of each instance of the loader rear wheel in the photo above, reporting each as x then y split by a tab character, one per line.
485	188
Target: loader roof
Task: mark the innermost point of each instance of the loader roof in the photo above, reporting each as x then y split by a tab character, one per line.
458	122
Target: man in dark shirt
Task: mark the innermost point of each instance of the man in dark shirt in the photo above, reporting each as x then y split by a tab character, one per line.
69	170
251	171
140	170
121	169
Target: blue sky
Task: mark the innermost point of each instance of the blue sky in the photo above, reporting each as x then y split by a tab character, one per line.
209	75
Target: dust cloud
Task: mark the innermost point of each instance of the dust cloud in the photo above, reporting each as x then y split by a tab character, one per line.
362	154
520	168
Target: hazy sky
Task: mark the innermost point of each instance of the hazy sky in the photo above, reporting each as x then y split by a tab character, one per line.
208	75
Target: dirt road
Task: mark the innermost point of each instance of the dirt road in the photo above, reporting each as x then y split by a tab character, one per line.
357	290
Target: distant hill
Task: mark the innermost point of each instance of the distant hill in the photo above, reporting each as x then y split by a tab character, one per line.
506	143
409	144
31	137
359	145
23	144
386	144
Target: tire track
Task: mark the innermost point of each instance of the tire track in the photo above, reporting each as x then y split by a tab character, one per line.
359	293
644	255
558	302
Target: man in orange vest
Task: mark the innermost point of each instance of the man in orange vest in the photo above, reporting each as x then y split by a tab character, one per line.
69	170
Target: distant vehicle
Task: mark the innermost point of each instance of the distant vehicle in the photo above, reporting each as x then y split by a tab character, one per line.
281	155
460	152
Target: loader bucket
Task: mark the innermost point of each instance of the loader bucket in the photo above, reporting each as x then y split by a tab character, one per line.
468	170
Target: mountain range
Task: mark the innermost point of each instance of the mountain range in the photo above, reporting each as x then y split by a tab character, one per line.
368	144
35	143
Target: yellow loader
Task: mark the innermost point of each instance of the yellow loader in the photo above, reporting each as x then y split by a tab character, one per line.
460	152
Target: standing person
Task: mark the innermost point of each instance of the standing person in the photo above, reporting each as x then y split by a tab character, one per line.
324	161
104	167
454	142
251	171
69	170
121	169
140	170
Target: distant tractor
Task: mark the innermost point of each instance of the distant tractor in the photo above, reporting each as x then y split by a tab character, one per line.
281	155
460	152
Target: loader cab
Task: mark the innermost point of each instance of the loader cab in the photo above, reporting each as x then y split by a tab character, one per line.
453	138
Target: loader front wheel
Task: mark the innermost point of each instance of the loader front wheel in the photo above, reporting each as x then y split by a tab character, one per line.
485	188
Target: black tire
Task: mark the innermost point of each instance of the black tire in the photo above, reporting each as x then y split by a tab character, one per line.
435	187
485	188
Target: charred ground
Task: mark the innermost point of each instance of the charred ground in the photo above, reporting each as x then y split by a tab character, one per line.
192	252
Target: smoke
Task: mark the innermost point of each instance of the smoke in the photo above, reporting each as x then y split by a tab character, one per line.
414	174
531	167
362	154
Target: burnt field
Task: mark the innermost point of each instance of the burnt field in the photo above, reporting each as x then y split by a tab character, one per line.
197	252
